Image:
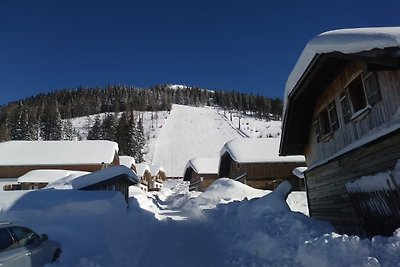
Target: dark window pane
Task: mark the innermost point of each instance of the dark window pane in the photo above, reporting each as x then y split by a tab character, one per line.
317	130
372	88
357	96
333	119
324	122
22	235
6	240
344	103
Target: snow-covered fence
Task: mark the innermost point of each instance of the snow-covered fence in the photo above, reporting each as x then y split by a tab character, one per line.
376	200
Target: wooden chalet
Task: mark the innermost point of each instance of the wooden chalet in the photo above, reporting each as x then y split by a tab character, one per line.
158	176
201	172
342	112
114	178
256	162
19	157
143	172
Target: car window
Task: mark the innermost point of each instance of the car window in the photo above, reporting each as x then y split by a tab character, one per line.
6	240
22	235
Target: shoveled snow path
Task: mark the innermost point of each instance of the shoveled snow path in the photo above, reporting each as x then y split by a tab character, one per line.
178	143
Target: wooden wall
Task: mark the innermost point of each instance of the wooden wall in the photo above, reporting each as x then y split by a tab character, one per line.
17	171
381	113
262	175
327	196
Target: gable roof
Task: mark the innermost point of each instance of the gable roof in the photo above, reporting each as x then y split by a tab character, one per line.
141	168
257	150
49	176
203	165
20	153
155	169
127	161
104	175
321	60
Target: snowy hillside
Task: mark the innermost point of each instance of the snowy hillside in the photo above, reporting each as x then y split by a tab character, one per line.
173	138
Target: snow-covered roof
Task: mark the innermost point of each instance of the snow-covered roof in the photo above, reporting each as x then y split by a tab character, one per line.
127	161
141	168
18	153
202	165
103	175
49	176
155	169
346	41
254	150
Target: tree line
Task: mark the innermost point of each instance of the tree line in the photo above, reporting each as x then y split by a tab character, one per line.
46	116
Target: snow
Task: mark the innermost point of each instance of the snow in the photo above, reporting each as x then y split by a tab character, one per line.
377	182
141	168
49	176
17	153
202	165
127	161
94	178
299	172
346	41
230	224
257	150
155	169
190	132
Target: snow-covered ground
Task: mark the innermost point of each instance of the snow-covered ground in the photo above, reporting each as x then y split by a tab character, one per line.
230	224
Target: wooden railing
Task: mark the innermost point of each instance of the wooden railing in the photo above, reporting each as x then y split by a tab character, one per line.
241	178
195	185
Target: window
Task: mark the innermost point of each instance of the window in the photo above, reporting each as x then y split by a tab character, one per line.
362	92
372	90
326	123
6	240
344	103
24	236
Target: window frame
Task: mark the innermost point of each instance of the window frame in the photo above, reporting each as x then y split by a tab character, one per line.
326	122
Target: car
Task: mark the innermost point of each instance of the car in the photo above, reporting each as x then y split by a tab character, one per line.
22	247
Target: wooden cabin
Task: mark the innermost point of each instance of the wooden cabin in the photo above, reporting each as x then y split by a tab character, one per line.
201	172
38	179
114	178
256	162
158	176
143	172
19	157
342	112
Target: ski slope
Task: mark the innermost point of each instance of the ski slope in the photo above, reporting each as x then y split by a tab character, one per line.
191	132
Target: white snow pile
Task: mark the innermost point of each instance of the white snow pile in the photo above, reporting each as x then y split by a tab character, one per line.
49	176
377	182
96	229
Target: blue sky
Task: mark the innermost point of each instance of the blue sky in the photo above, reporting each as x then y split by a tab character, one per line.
248	46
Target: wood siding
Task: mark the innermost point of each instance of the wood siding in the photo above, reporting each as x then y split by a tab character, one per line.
207	179
379	115
17	171
327	196
263	175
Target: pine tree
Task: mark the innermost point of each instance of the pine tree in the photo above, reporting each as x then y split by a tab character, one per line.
68	131
109	127
122	133
50	122
96	132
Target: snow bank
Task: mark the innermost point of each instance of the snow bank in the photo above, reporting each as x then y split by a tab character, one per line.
94	228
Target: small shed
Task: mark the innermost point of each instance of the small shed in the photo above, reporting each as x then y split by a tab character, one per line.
20	157
38	179
115	178
256	162
143	172
201	172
